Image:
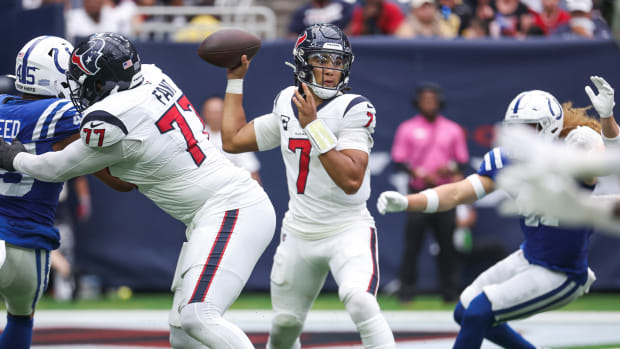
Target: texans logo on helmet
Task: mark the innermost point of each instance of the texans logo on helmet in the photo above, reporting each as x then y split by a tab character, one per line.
301	39
87	61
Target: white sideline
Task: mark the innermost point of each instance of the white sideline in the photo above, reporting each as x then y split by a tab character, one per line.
560	328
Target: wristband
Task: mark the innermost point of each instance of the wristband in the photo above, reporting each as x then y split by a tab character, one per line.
478	187
321	137
235	86
432	200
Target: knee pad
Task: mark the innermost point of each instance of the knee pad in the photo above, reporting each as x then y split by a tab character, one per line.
285	331
479	310
287	321
196	317
361	306
179	339
459	311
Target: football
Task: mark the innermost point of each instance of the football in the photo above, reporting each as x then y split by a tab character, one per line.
225	47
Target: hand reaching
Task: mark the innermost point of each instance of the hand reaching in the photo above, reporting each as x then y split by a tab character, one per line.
392	201
603	102
8	151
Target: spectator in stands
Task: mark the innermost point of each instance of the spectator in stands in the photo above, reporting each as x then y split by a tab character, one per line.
477	29
212	113
336	12
99	16
430	148
584	23
375	17
510	18
551	17
459	8
424	20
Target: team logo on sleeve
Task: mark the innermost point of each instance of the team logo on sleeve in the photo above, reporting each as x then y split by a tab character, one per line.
87	60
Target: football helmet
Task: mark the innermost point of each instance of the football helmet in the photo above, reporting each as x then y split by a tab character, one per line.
325	42
41	65
103	64
538	108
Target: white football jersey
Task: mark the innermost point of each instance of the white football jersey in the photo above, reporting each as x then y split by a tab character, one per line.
317	206
166	153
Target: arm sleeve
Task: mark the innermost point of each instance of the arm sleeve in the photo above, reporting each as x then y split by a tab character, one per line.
267	130
359	124
492	163
75	160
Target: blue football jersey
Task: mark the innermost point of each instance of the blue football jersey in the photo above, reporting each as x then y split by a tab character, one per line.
27	205
546	244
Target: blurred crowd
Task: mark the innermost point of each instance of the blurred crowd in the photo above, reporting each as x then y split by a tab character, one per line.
433	19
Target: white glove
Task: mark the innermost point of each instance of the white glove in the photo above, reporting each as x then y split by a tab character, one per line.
604	101
392	201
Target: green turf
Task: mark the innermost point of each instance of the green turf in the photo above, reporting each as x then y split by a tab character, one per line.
327	301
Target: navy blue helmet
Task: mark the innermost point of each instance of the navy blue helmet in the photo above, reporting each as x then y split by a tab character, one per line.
104	63
328	41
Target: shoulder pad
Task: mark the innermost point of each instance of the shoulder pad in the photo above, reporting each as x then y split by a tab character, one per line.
493	161
102	129
359	112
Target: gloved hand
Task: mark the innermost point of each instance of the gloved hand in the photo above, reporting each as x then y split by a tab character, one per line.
603	102
8	151
392	201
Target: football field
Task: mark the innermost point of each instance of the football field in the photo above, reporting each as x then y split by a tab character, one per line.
141	322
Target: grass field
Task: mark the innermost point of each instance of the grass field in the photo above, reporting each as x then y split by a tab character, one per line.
327	301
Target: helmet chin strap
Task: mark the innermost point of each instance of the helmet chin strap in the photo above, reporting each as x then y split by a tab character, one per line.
322	92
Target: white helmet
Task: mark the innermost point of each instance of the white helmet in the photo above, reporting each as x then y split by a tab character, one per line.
539	108
41	65
586	139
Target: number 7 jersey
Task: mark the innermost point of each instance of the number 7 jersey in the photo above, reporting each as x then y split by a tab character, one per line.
318	207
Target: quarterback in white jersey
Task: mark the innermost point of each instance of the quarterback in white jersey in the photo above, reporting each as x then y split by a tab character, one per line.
140	125
325	139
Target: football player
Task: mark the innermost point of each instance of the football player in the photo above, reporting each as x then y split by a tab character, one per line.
325	137
558	165
42	122
551	267
139	124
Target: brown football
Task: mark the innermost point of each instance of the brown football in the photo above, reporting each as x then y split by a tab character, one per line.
225	47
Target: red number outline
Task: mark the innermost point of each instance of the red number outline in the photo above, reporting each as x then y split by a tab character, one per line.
173	115
304	160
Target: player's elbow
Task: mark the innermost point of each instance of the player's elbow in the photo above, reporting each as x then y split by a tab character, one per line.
230	147
351	186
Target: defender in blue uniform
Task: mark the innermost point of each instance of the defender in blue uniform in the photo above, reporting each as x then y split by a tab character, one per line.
43	123
548	271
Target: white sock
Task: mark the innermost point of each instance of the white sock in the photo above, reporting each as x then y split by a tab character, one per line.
376	333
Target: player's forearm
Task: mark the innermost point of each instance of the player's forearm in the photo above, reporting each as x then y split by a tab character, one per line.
347	172
448	197
75	160
609	127
233	121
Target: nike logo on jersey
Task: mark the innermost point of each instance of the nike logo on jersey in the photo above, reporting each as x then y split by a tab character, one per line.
93	125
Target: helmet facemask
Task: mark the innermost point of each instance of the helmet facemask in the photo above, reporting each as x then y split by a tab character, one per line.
324	63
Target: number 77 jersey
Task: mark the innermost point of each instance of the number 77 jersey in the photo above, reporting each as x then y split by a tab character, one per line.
317	206
157	142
